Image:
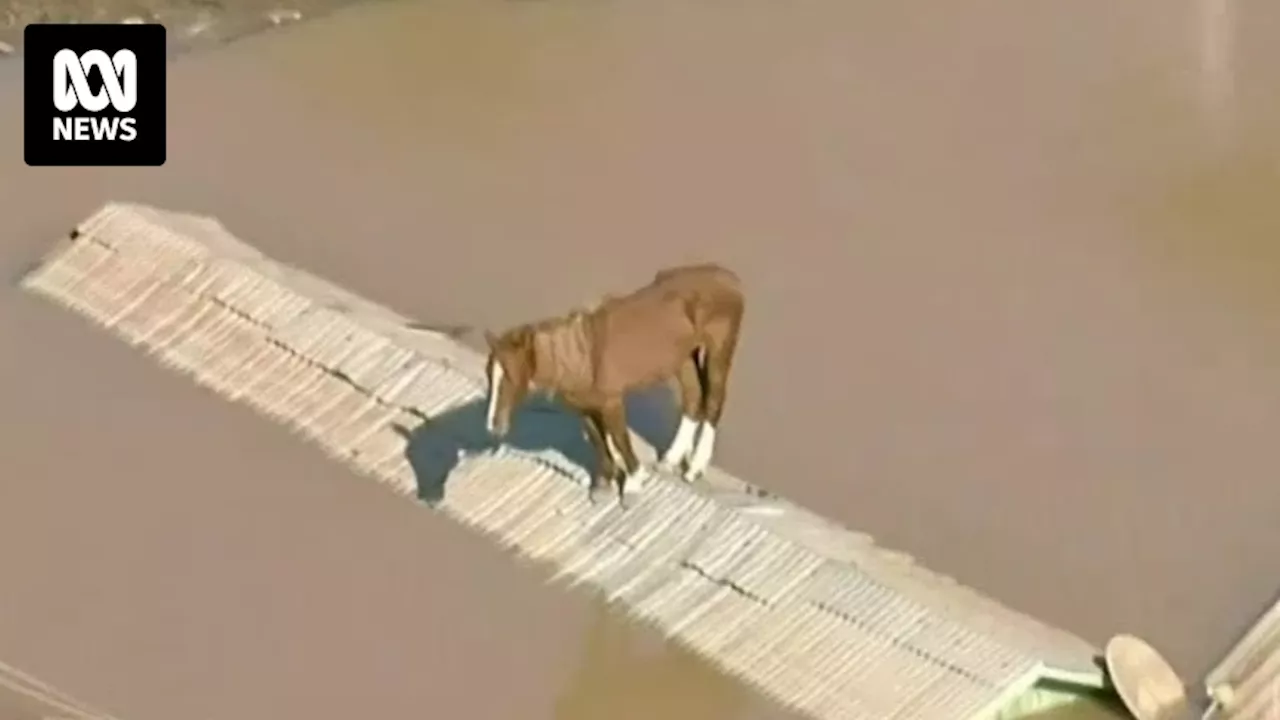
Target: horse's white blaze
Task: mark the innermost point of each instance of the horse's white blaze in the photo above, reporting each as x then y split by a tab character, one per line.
495	384
702	452
682	444
635	481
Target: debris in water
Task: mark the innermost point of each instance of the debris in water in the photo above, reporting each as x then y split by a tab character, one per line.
280	16
204	22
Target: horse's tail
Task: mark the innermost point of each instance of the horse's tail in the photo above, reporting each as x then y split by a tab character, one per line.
725	288
731	280
706	306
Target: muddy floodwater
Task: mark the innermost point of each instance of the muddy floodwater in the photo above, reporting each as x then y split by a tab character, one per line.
1013	306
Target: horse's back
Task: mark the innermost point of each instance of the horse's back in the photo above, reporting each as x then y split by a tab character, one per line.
643	336
706	282
699	273
677	302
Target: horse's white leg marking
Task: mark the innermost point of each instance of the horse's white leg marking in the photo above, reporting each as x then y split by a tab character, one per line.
495	384
682	444
635	481
702	452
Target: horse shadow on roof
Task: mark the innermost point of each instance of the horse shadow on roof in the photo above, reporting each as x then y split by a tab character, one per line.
540	423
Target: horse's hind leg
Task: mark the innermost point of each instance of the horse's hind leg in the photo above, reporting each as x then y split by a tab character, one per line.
691	377
606	468
618	437
721	346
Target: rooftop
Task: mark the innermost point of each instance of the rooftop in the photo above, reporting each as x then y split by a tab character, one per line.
817	616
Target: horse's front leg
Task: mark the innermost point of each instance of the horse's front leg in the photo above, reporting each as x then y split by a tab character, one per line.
606	468
618	437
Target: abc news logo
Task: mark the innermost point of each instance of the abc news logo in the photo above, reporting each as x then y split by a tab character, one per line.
95	94
71	91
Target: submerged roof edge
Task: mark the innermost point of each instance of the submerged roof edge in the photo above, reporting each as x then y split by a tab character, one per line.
1009	695
1249	668
1072	682
55	702
1096	680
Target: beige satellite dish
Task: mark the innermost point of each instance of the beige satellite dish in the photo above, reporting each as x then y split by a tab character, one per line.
1147	684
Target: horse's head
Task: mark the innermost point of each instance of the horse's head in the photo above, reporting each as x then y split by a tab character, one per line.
510	370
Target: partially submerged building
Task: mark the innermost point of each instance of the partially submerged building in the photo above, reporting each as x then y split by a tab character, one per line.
1245	684
818	617
25	697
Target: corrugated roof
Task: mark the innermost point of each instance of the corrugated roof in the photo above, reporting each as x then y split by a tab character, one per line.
24	696
816	616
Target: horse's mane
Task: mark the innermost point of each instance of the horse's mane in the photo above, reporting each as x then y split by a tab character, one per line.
563	351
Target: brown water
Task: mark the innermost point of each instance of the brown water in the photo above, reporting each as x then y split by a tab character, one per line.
1012	275
625	674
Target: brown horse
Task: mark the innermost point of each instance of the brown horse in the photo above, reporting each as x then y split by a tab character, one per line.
684	324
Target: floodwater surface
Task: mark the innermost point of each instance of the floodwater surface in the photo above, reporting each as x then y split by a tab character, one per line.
1012	308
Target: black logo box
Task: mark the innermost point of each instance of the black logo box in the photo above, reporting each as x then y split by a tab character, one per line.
147	41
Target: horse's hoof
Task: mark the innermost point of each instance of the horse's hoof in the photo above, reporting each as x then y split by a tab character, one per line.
634	485
690	476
